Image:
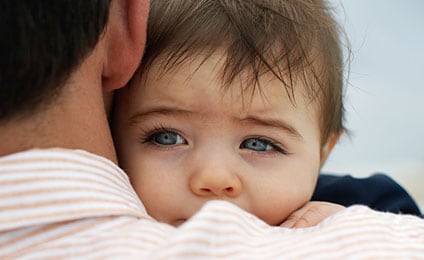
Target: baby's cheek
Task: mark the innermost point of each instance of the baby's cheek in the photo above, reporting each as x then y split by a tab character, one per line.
281	203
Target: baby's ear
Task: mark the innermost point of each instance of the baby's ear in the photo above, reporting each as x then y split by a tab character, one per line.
125	37
328	147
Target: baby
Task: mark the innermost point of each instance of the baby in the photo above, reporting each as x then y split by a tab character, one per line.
234	100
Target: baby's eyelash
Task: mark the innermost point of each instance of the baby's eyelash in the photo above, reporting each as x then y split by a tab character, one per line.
276	145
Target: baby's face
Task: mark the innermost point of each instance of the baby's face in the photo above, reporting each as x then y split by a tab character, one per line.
183	142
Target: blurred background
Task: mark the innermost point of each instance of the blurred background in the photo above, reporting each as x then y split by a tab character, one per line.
385	95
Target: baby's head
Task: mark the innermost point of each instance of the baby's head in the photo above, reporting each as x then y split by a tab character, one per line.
234	100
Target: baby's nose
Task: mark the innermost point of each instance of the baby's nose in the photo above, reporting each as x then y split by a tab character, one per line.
215	182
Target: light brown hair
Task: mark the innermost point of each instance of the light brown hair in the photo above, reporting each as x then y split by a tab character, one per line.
293	39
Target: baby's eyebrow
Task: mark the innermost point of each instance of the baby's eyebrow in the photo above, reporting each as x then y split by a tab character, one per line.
273	122
156	111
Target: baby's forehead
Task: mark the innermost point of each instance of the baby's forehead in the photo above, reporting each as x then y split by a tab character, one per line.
245	90
295	82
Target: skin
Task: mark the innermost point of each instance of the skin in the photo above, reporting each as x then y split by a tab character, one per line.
78	119
183	141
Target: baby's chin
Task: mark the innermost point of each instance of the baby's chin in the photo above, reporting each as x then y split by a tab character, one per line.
178	222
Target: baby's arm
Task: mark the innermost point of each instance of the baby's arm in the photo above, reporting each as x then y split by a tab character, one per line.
378	191
311	214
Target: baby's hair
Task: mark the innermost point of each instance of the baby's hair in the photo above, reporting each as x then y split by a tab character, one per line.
295	40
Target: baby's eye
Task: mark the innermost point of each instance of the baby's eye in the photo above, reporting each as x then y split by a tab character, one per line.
262	145
256	144
167	138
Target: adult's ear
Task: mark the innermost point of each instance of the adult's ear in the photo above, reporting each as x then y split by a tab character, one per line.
328	147
125	39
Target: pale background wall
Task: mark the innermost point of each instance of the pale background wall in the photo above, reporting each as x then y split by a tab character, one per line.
385	99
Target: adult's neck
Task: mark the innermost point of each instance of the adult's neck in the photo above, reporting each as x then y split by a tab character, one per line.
75	120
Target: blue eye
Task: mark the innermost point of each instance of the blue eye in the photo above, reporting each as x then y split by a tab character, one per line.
167	138
262	145
256	144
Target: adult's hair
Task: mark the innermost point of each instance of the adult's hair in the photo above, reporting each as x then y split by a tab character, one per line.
41	43
296	40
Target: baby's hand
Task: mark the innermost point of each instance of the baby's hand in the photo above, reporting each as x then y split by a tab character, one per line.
311	214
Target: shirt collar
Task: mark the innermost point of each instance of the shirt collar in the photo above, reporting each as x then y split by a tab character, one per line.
52	185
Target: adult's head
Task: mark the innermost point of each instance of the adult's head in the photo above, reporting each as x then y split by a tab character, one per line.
61	56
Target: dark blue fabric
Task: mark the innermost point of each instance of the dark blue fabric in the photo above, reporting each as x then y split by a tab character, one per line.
379	192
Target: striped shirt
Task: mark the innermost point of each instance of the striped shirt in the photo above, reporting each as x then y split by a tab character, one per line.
59	203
